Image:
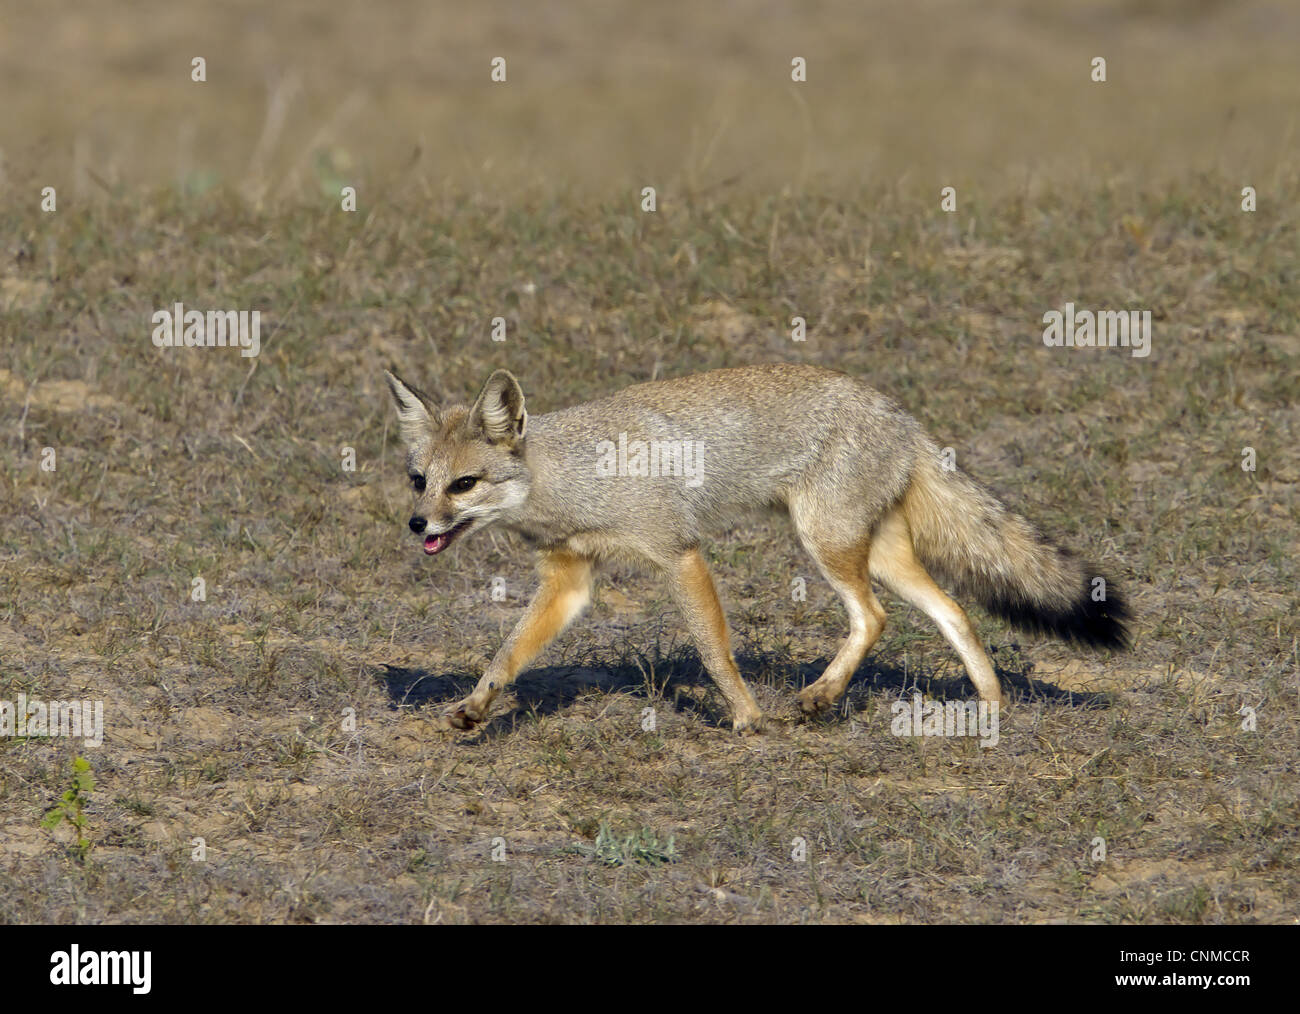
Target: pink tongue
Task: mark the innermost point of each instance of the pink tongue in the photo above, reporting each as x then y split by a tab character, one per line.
436	543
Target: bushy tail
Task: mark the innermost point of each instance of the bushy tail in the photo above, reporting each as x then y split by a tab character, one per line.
966	538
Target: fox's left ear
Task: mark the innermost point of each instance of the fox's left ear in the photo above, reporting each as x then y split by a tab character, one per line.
499	409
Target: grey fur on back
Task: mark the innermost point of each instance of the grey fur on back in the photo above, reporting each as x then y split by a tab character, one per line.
767	432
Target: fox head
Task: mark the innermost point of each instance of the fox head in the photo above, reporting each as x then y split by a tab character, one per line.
466	463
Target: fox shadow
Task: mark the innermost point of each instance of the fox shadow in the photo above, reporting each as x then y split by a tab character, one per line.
680	680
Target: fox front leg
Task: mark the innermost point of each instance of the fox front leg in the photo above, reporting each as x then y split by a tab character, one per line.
698	599
564	592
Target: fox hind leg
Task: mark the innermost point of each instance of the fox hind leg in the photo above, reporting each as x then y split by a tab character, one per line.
843	561
894	564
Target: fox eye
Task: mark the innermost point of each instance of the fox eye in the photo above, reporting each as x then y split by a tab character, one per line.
418	482
463	485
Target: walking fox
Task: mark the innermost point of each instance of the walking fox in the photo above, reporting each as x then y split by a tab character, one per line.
643	473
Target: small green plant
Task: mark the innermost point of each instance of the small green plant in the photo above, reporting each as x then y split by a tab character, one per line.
72	804
643	847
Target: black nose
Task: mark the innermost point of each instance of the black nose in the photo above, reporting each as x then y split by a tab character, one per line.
417	525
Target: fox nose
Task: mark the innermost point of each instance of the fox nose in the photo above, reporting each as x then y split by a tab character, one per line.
417	525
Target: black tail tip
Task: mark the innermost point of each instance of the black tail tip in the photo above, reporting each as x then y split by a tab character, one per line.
1092	622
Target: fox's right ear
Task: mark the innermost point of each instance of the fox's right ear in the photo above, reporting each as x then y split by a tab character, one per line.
414	408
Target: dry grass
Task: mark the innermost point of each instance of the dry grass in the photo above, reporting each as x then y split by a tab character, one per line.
225	718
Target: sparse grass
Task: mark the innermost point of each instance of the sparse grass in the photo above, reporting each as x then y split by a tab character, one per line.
230	710
227	718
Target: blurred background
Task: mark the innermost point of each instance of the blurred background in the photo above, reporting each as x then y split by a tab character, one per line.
602	95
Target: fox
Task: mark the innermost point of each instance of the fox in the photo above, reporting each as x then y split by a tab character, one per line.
645	473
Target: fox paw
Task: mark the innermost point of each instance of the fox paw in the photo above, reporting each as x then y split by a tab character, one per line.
814	700
466	715
748	725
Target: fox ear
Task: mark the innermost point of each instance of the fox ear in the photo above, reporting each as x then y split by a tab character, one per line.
499	409
414	409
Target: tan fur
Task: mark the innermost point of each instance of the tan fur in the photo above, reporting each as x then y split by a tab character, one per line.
564	592
845	568
895	565
972	541
864	486
695	593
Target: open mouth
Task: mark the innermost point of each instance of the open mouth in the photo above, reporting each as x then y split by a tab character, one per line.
437	543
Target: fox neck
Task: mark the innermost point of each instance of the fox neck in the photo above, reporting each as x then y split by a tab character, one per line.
540	518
